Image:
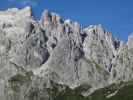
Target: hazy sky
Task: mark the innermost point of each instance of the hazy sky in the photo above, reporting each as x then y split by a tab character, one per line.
115	15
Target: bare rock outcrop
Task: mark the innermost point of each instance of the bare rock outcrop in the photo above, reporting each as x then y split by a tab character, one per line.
35	55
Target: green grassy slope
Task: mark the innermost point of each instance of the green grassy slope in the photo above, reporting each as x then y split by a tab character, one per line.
113	92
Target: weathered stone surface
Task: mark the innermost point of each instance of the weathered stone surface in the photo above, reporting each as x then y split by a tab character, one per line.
22	43
34	56
123	64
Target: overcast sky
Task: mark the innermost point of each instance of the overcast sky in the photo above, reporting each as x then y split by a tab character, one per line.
115	15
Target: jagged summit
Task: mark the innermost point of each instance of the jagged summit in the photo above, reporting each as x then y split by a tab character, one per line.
34	56
54	21
25	11
50	18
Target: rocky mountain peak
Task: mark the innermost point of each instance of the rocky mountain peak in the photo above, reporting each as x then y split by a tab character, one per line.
54	22
49	18
58	51
130	40
98	30
26	12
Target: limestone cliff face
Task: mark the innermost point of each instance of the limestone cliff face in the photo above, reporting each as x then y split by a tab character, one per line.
34	56
123	64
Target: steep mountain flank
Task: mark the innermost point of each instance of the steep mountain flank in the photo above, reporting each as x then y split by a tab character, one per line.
53	57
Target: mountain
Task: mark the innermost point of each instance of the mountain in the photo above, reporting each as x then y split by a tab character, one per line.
57	59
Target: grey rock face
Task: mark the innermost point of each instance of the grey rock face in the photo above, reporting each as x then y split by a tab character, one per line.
60	51
26	40
123	64
98	45
22	43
